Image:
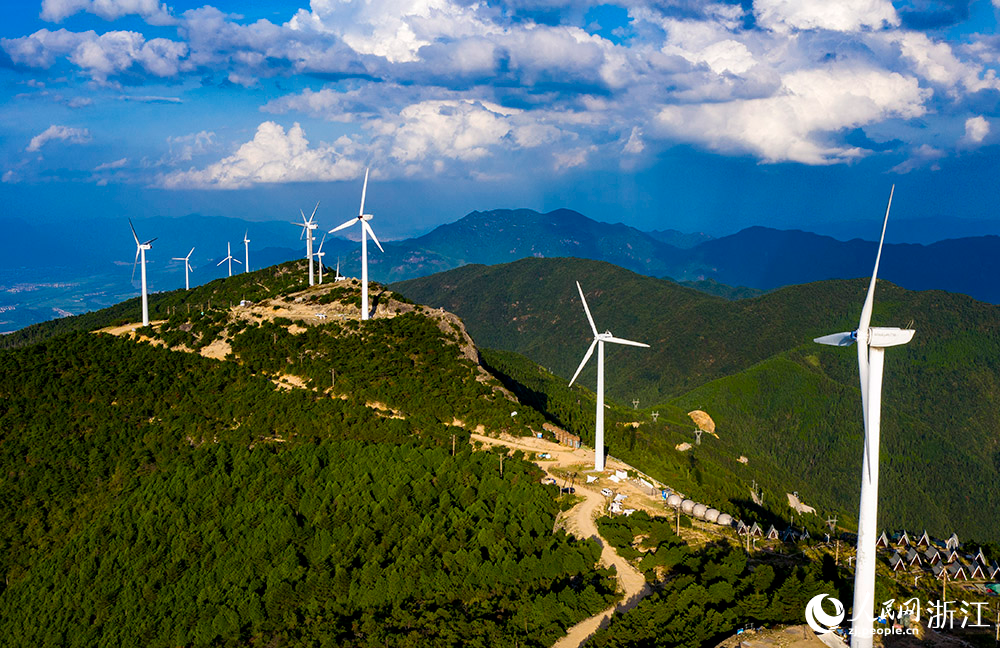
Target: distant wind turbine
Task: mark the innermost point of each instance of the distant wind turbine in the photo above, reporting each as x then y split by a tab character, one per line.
871	346
319	256
599	340
229	258
307	229
246	251
363	218
140	252
338	276
187	268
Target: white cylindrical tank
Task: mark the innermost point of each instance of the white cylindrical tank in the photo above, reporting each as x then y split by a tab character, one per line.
673	500
687	506
699	511
712	515
725	519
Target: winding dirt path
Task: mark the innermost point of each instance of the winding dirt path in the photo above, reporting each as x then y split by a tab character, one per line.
580	522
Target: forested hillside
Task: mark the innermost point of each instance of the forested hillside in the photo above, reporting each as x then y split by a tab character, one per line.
790	406
157	497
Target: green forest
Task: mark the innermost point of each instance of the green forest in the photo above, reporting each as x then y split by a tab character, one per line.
159	498
703	595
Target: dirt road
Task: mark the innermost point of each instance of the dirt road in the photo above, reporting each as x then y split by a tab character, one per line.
580	522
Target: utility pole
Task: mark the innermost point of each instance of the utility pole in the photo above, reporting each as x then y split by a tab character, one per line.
501	464
333	380
452	445
678	530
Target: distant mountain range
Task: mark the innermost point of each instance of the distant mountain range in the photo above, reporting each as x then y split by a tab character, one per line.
744	264
758	258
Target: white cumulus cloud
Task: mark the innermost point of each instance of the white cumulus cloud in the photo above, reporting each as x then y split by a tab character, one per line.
273	156
154	12
976	130
840	15
795	124
58	133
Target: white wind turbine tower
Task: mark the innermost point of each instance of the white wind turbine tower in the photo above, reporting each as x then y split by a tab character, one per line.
187	268
362	218
319	257
307	229
599	340
871	345
140	251
229	258
246	251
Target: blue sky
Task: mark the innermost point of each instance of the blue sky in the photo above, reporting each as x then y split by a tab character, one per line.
698	116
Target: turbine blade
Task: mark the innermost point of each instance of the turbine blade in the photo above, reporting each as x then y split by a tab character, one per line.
340	227
590	352
189	254
237	260
628	342
134	235
368	228
865	322
314	212
133	264
590	318
223	261
320	250
837	339
178	258
866	311
151	240
364	190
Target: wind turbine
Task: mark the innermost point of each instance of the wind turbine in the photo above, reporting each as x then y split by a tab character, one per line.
872	342
307	228
599	340
140	251
187	268
229	258
338	276
319	255
246	251
363	218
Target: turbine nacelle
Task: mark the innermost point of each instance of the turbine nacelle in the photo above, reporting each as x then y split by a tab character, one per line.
878	336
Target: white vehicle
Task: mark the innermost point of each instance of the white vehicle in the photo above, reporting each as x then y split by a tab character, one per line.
606	492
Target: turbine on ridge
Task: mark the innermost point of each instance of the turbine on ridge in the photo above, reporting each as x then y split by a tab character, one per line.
307	229
319	256
187	267
140	253
229	258
871	342
599	340
362	218
246	250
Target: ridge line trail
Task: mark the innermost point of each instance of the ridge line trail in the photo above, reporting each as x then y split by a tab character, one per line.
580	522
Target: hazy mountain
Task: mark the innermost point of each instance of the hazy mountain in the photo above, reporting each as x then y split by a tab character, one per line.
504	235
789	405
764	258
681	240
